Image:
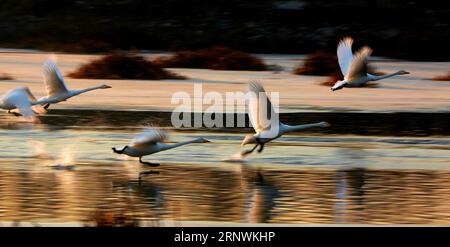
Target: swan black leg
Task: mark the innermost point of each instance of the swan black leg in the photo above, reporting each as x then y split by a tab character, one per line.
14	113
261	148
249	151
147	163
46	106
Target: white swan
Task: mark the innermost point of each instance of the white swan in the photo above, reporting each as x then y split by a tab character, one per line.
55	86
260	110
150	141
21	99
354	66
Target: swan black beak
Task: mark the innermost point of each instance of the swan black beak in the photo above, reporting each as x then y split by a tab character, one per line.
119	151
337	88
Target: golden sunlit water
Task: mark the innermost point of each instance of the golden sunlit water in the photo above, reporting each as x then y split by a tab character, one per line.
66	172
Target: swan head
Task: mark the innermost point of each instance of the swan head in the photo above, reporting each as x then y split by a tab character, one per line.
324	124
117	151
202	140
104	86
402	72
249	139
339	85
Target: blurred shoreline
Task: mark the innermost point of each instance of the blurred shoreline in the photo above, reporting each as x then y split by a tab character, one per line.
412	93
406	124
391	27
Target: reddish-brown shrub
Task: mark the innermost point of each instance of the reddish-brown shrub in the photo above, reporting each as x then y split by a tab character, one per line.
218	58
123	66
318	63
442	78
111	219
4	76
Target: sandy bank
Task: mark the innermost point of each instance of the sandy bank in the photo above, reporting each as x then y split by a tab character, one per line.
414	92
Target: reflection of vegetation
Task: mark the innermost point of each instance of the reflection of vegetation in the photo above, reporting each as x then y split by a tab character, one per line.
219	58
442	78
4	76
110	219
197	192
123	66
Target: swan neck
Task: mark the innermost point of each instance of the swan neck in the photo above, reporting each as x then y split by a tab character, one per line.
288	128
40	101
379	77
76	92
170	146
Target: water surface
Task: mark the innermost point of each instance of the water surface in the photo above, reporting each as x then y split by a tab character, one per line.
64	170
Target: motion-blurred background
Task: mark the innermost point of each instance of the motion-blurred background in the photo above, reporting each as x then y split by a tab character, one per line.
383	160
406	29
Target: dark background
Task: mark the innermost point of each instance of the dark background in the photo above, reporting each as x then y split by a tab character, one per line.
407	29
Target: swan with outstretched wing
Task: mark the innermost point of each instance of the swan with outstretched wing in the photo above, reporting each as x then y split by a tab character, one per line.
265	120
151	141
354	66
56	87
20	101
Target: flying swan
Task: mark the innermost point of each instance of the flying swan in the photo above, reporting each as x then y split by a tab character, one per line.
265	121
354	66
150	141
22	100
55	86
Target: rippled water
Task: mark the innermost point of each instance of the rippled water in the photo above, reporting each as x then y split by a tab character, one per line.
64	170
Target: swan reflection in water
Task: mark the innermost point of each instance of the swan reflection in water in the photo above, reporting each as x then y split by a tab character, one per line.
150	194
257	192
261	197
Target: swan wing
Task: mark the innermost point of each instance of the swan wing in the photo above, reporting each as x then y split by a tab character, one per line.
358	67
148	137
20	98
31	96
27	112
26	91
345	55
54	81
36	108
260	110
